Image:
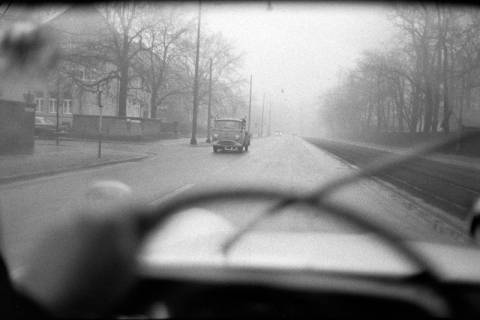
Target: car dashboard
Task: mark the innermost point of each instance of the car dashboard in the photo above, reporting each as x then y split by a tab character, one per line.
288	293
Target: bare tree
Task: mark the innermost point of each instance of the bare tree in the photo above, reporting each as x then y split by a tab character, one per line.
122	44
427	76
163	44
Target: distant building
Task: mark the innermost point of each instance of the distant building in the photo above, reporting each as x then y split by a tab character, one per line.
71	28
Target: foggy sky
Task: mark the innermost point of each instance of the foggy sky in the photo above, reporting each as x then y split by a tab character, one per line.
296	51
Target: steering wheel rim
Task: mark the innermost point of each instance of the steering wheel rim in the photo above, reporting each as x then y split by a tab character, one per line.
162	212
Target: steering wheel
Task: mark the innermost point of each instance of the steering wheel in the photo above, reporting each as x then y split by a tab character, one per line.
427	275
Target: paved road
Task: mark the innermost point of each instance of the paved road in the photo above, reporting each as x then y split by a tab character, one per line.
287	162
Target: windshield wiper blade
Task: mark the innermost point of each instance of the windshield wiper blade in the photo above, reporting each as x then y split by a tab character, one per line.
382	166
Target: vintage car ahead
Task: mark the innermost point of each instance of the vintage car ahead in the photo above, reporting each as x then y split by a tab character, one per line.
230	134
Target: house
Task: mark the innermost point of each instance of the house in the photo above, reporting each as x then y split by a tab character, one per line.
71	28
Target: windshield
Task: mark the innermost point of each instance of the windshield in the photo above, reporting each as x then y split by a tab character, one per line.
226	124
325	89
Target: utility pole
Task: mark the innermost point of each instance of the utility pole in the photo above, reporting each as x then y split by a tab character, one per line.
57	105
209	115
99	102
193	140
250	106
263	112
270	119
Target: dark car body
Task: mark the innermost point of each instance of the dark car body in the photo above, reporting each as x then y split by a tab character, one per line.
47	129
230	135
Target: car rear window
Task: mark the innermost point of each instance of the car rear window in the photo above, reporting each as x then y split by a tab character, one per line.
228	124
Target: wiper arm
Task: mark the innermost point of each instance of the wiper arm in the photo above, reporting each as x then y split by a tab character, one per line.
379	167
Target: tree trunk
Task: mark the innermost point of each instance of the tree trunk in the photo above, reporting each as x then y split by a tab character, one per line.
369	115
427	76
153	104
388	116
436	90
123	70
80	100
415	111
446	102
157	83
123	91
427	117
379	116
401	107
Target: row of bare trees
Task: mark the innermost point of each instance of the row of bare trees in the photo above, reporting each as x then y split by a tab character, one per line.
147	52
424	80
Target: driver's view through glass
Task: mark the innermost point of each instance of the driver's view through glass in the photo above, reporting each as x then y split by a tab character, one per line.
259	159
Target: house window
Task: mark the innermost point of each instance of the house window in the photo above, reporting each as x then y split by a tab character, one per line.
67	106
52	105
89	74
68	44
79	74
137	83
39	104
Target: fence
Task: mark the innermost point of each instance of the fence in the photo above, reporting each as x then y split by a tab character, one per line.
121	128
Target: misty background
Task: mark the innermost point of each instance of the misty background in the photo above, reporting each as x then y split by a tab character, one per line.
421	57
294	52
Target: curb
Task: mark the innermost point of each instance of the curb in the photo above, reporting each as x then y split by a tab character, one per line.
34	175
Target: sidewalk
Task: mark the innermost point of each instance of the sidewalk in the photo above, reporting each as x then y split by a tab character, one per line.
445	158
71	154
49	158
442	184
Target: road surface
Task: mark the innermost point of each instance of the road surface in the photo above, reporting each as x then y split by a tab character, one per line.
286	162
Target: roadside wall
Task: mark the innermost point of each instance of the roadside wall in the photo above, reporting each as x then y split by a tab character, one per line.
17	122
86	126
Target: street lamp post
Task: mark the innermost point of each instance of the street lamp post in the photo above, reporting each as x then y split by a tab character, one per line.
270	119
193	140
209	116
250	106
57	129
263	112
99	101
57	105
